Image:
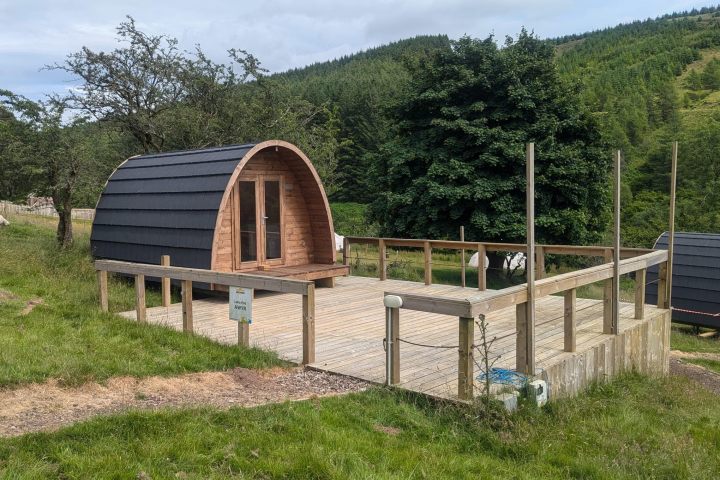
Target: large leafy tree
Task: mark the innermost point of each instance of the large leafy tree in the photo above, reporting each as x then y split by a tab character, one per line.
458	156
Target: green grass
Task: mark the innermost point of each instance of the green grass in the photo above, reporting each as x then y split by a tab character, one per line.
713	365
634	427
68	338
684	340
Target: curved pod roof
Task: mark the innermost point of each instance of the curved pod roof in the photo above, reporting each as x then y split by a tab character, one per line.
170	203
696	278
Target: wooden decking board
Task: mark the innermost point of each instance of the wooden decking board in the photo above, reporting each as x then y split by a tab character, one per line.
350	327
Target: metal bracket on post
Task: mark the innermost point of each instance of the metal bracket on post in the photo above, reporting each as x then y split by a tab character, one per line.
392	367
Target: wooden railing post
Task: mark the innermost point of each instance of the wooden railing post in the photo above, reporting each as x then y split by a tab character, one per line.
482	278
140	298
308	304
165	261
640	279
465	358
187	305
427	250
102	276
570	322
539	262
525	344
608	298
462	258
346	251
395	345
662	286
382	255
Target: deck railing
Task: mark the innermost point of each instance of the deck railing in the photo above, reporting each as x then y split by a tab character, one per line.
567	283
211	277
482	248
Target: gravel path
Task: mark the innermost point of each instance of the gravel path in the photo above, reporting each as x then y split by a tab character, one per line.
49	406
707	378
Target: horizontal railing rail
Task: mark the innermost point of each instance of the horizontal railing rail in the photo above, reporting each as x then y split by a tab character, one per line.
481	248
211	277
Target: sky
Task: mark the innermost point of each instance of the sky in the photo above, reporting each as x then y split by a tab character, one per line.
283	34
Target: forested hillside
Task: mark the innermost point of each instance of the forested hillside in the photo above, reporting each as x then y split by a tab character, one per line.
647	83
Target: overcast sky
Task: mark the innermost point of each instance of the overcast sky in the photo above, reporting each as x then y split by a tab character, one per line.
282	34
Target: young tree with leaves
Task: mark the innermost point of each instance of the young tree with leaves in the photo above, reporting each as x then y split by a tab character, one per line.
458	157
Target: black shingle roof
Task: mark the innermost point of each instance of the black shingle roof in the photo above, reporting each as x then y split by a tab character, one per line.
164	204
696	277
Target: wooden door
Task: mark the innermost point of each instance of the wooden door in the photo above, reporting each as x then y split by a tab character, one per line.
259	231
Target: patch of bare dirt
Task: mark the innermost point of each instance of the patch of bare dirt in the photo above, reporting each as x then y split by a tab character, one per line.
6	296
696	355
707	378
30	305
48	406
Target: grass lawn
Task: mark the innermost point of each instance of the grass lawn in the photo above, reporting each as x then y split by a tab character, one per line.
685	340
67	337
634	427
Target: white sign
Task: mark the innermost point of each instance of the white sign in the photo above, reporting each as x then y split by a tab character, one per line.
241	304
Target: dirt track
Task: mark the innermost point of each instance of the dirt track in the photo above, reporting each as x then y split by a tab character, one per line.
48	406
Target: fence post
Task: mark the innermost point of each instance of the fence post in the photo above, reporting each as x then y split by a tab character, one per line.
346	251
395	345
539	262
570	324
608	298
187	305
102	276
381	259
462	257
640	279
309	325
165	261
523	343
465	358
662	286
140	298
482	273
427	251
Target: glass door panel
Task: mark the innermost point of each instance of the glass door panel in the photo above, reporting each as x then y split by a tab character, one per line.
248	222
273	236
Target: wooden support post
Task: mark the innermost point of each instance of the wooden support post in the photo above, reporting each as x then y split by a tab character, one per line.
570	323
662	286
671	234
140	298
187	305
166	299
382	255
540	262
640	279
465	358
462	258
427	249
243	334
616	248
395	342
607	297
529	260
308	303
482	273
521	342
102	276
346	251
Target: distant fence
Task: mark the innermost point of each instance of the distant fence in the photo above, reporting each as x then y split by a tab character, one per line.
44	211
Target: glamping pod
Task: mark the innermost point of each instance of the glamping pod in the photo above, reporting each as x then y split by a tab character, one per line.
257	208
696	278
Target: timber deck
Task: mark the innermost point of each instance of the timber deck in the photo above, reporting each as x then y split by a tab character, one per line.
350	327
